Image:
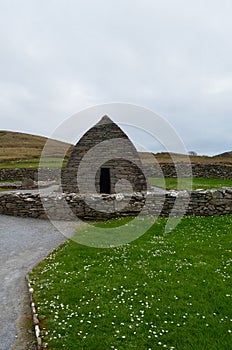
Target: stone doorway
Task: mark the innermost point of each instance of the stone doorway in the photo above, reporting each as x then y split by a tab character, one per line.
105	180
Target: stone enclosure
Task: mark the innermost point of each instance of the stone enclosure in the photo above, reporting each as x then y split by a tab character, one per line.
201	203
104	161
216	171
96	179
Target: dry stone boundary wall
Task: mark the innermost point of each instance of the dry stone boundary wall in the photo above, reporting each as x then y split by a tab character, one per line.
17	174
216	171
166	170
202	203
210	202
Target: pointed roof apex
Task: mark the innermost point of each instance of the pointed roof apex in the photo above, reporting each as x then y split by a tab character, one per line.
104	120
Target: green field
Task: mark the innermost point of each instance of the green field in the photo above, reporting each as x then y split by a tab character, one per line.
159	292
17	146
33	163
171	183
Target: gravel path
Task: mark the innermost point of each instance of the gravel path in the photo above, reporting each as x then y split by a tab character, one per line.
24	242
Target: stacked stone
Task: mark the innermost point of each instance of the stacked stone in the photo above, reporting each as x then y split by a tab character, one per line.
46	174
124	162
70	206
217	171
207	171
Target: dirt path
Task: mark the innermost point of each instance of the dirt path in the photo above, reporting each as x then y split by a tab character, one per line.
24	242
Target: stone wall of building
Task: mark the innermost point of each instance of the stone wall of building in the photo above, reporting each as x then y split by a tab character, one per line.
202	203
102	156
123	174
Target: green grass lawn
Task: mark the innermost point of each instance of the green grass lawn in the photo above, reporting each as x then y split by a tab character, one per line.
159	292
171	183
33	163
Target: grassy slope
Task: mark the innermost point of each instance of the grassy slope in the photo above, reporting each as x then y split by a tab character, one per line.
225	154
19	147
164	158
161	291
23	150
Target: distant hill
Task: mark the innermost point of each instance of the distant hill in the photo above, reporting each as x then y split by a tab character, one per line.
225	154
165	157
20	146
17	146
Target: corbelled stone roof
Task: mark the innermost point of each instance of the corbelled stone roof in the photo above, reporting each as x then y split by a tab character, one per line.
104	120
104	130
104	146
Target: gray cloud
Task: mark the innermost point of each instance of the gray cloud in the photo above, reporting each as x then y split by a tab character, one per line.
173	57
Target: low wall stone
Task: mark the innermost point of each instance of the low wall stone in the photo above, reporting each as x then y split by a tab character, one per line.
217	171
166	170
201	203
18	174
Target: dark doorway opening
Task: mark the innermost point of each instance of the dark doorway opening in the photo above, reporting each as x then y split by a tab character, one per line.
105	180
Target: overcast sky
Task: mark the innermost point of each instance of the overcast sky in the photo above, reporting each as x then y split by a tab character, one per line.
171	56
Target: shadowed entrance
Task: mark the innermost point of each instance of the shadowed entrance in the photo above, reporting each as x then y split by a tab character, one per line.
105	180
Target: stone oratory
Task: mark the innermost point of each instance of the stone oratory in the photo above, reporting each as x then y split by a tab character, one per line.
104	161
